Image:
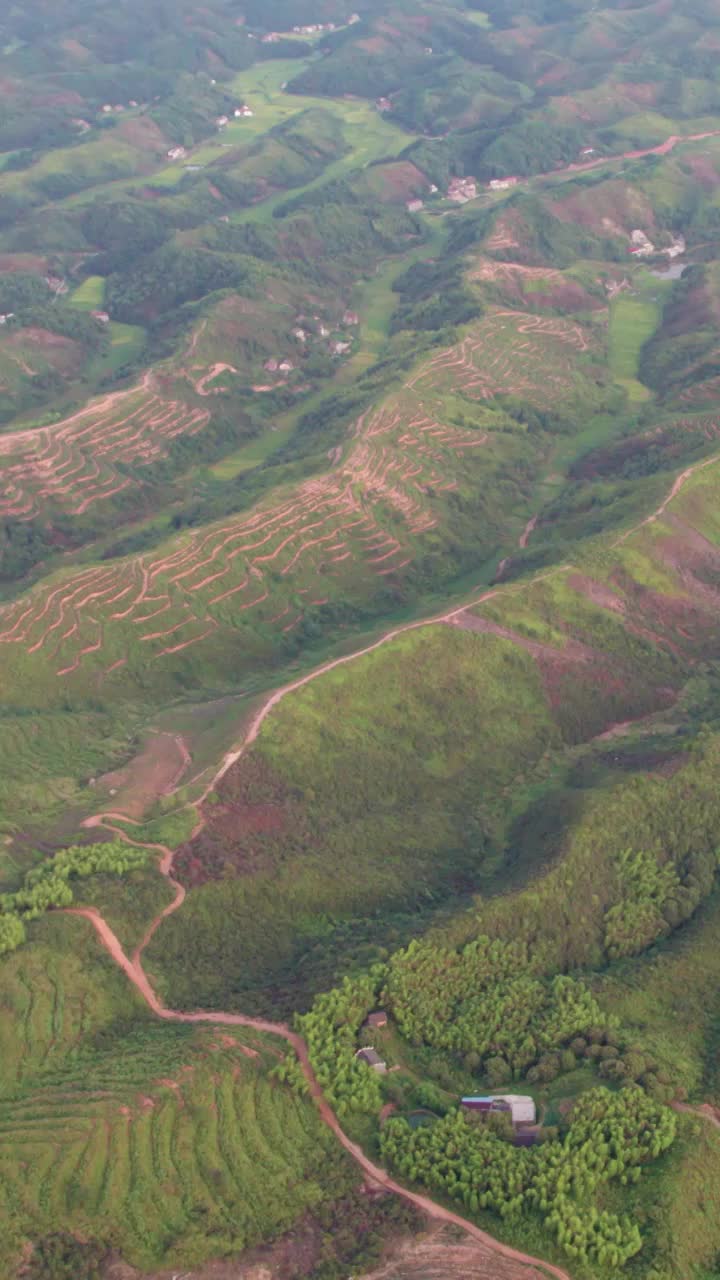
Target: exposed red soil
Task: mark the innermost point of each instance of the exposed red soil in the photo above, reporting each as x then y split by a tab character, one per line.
705	1110
397	181
10	262
153	772
394	458
73	463
703	169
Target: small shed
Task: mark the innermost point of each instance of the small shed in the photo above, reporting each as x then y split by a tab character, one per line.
372	1058
378	1019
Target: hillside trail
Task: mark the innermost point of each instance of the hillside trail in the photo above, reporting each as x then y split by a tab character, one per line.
674	490
704	1111
133	969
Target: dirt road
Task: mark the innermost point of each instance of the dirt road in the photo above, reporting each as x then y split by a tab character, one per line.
132	967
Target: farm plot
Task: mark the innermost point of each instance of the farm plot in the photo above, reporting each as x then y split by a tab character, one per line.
538	359
79	462
345	530
173	1141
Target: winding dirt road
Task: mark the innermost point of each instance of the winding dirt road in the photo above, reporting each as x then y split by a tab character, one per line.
132	967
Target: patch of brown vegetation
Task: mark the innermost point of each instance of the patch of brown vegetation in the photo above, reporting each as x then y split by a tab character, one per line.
613	206
248	831
703	170
143	133
152	773
397	181
439	1255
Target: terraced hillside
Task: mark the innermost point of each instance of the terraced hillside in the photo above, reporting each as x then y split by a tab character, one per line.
157	1139
359	572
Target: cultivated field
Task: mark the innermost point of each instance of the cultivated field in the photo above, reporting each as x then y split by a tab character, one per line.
76	463
515	354
359	523
175	1144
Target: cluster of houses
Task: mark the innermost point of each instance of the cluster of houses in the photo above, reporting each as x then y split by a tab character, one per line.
502	184
243	112
107	107
520	1108
311	29
302	333
641	246
461	190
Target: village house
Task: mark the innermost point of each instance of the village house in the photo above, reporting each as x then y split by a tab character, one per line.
270	366
376	1020
383	104
354	17
640	245
222	121
82	125
272	37
413	206
8	316
502	184
300	334
461	190
243	112
102	317
350	318
176	153
286	366
520	1107
588	151
107	108
339	348
372	1058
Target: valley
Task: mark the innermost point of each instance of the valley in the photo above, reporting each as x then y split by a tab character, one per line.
359	565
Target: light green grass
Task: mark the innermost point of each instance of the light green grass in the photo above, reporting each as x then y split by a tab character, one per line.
251	455
90	295
633	321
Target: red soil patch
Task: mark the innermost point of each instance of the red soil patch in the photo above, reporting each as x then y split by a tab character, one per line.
396	182
155	771
10	262
703	170
597	592
143	133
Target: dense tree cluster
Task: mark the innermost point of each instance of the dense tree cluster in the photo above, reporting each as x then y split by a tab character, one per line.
50	884
330	1030
486	1000
610	1138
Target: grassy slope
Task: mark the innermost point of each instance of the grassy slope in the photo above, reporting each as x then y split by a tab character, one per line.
313	828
